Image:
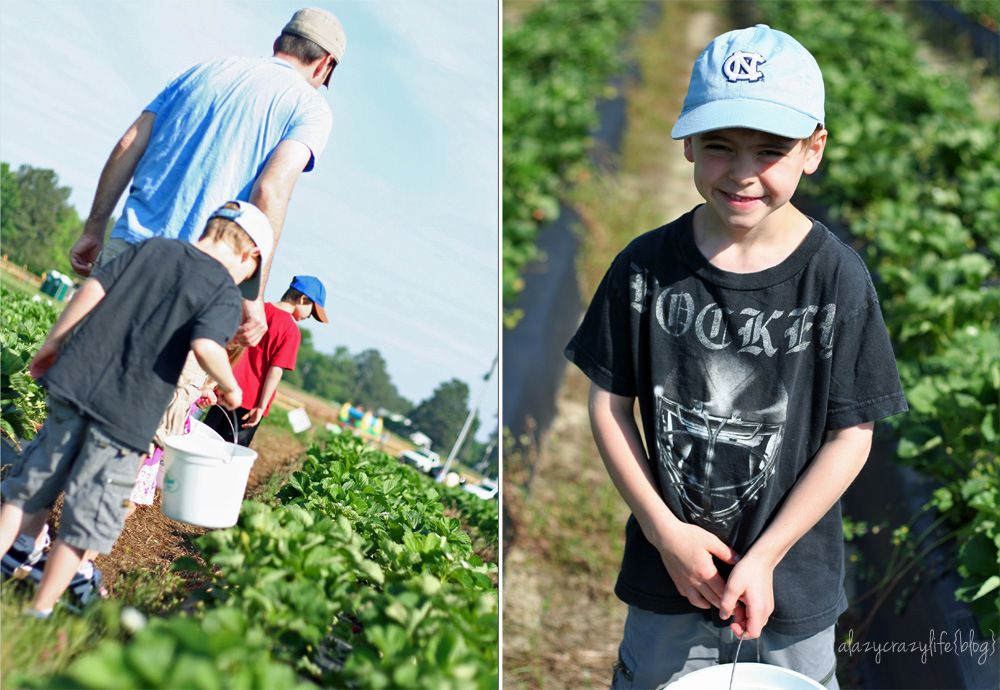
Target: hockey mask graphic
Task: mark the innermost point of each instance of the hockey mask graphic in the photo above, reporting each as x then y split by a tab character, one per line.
718	448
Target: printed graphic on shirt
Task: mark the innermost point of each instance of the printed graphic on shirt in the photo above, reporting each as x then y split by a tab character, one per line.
719	446
744	329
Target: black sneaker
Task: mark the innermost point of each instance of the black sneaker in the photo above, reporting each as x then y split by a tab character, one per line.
86	586
22	560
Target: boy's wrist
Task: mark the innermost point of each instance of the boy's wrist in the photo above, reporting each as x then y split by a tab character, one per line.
767	551
660	528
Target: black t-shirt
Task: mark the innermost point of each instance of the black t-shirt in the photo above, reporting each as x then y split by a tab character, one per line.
122	362
738	378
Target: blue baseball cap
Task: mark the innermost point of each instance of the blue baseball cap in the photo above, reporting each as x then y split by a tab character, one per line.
311	287
756	78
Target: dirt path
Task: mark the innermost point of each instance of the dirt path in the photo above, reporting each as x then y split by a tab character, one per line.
562	622
151	542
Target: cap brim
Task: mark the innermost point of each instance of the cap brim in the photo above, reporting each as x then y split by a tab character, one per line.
747	114
319	313
250	288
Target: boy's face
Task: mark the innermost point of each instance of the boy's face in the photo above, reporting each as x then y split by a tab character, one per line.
745	175
248	265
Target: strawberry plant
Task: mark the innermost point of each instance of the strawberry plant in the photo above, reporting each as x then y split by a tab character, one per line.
23	326
223	650
556	65
359	558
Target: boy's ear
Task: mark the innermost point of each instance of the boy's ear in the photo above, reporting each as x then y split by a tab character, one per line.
815	146
689	149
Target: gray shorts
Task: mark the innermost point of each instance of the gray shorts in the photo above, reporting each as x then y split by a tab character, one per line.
658	649
111	249
72	454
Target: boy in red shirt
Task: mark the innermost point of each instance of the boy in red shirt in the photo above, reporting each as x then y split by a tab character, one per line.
259	370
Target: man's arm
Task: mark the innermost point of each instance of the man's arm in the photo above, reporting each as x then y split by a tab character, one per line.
271	194
270	385
838	462
213	359
83	302
686	550
115	176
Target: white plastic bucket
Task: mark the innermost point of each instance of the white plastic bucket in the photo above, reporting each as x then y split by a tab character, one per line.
748	676
205	479
203	430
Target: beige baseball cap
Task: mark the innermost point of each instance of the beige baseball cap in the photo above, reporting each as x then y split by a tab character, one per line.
320	27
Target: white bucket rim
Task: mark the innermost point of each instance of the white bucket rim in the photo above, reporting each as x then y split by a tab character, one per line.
749	675
207	451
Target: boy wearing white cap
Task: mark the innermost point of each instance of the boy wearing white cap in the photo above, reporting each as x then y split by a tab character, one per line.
753	341
110	365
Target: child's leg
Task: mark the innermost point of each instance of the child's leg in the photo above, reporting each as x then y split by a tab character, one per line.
657	648
811	655
59	571
11	517
33	525
97	493
38	475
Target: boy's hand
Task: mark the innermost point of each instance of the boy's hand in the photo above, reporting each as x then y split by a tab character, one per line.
43	359
253	417
231	399
749	596
208	398
687	556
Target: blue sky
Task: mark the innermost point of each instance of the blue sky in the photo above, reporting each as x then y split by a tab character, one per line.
400	216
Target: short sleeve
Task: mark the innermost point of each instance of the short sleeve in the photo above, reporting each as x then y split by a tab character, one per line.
864	381
220	318
108	274
164	96
602	347
311	126
287	348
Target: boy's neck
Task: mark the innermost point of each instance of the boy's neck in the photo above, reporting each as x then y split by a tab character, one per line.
224	254
753	249
284	306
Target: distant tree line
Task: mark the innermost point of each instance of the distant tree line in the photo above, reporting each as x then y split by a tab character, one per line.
38	226
363	380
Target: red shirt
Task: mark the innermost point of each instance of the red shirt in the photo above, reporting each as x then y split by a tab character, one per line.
278	348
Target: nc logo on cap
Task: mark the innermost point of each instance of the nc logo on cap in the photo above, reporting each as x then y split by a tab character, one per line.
742	66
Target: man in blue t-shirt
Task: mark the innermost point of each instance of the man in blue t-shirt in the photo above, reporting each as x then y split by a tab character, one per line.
238	128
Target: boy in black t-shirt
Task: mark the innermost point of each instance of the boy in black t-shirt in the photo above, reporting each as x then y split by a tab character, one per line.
753	341
110	365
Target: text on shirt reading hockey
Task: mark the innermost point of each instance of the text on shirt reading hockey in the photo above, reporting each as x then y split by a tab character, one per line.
760	333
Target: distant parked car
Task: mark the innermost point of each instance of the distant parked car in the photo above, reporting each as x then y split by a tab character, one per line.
424	460
487	489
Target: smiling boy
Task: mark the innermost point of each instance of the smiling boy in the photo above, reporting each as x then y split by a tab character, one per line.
753	341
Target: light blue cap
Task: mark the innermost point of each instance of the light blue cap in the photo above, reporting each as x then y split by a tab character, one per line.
756	78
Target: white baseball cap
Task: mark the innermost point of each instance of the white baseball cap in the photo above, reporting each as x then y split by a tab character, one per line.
254	223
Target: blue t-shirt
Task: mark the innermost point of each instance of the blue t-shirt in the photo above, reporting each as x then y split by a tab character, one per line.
215	127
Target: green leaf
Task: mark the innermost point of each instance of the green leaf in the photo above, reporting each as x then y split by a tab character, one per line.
988	586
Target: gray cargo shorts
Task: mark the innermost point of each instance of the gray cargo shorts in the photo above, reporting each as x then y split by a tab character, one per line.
72	454
110	251
658	649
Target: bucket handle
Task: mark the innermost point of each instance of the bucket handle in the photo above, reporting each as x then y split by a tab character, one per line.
736	658
232	425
